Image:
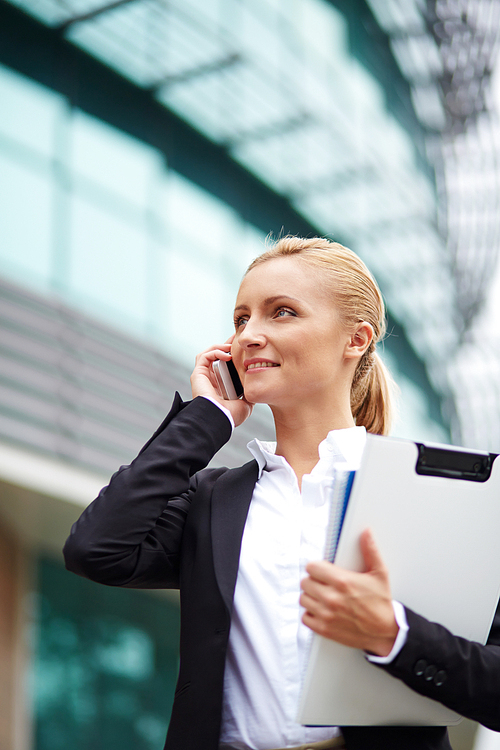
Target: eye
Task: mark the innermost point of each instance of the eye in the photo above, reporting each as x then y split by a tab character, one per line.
284	312
240	321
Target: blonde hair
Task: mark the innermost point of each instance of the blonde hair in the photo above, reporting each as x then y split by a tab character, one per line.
357	298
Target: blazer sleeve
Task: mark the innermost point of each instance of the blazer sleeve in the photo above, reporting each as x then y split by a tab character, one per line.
461	674
131	534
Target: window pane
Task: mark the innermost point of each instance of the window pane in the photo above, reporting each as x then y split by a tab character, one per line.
105	665
108	157
25	218
29	111
197	306
108	267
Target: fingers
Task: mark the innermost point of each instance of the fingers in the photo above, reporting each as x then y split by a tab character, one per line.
322	590
326	612
205	360
316	598
314	608
371	555
322	571
328	584
329	575
204	382
350	607
312	589
219	351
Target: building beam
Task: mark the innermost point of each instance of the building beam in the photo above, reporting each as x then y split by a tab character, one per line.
44	55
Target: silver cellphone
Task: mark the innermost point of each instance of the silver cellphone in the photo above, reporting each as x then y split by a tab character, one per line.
228	381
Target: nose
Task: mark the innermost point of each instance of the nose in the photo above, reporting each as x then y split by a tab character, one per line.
251	335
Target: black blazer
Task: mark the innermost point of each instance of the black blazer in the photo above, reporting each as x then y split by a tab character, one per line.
167	522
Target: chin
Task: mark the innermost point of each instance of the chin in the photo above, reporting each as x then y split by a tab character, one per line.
262	396
255	395
261	388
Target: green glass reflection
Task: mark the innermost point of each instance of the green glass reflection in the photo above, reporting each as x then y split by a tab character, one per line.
30	112
26	199
105	665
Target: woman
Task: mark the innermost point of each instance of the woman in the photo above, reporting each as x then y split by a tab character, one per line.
239	542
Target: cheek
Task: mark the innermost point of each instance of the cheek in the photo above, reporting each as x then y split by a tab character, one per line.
235	347
237	355
321	361
312	347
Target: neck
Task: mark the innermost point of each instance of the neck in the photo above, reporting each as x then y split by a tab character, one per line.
300	431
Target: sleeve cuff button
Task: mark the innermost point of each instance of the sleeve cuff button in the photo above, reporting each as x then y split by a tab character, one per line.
420	667
439	678
430	672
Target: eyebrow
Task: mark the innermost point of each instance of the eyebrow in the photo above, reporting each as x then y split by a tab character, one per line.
269	301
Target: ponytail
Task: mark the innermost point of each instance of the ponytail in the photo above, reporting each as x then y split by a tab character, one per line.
372	393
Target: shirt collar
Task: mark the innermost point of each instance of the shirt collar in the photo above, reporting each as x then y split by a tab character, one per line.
340	446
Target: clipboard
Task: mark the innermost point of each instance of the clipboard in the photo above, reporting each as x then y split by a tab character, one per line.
435	514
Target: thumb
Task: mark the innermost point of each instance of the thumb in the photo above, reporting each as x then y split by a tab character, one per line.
371	555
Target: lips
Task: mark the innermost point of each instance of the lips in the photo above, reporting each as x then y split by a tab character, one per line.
258	364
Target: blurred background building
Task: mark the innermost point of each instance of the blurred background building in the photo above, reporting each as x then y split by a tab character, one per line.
147	148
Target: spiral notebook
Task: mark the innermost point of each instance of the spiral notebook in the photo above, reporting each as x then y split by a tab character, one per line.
343	479
435	514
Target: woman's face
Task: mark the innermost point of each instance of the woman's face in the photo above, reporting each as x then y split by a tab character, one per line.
289	342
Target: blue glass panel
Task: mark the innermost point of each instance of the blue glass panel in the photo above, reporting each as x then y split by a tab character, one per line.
197	305
108	265
112	159
26	222
29	111
105	665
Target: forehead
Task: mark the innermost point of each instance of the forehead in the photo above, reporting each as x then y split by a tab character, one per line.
285	276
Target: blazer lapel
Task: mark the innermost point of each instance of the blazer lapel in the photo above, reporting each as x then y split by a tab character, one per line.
231	498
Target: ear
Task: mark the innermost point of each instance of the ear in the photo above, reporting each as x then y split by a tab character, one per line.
359	341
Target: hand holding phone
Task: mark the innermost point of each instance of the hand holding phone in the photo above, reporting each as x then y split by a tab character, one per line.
228	381
204	381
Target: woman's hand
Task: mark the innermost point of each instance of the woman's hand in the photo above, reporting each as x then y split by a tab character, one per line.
204	383
352	608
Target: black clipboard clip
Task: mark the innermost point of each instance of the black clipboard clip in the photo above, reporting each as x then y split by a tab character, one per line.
454	464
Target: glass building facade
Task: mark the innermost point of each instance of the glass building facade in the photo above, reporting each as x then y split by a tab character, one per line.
147	149
96	218
105	667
